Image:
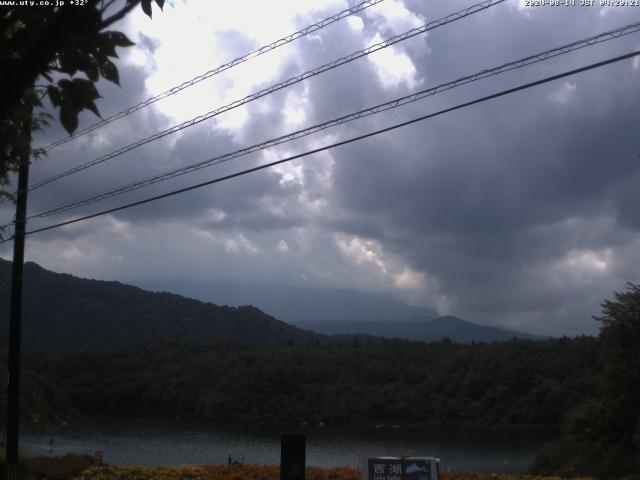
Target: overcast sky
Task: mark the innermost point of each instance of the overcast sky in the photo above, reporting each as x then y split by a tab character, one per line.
520	212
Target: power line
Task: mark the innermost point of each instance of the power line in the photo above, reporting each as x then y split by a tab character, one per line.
539	57
337	144
249	56
452	17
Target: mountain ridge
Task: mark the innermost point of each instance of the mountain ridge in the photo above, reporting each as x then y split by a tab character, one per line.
425	330
296	303
65	312
62	312
336	311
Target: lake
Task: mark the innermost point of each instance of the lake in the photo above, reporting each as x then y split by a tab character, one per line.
143	442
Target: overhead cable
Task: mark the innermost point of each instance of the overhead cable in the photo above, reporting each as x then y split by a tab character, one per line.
452	17
538	57
249	56
337	144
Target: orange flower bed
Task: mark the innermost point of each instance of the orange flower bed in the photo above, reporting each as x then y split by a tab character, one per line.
213	472
262	472
272	472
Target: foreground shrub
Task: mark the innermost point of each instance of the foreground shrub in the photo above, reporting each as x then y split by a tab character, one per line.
499	476
213	472
142	473
66	466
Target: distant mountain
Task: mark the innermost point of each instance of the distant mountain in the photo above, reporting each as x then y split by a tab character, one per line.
451	327
296	304
333	311
66	312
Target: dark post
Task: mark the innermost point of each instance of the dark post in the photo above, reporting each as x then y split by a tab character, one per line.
292	457
15	319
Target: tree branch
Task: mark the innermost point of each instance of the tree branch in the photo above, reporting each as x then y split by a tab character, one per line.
121	14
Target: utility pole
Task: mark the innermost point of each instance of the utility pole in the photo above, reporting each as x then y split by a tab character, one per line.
15	319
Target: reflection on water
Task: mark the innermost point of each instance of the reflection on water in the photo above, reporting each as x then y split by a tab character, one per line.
139	442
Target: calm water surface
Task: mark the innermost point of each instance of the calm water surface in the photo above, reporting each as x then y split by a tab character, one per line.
139	442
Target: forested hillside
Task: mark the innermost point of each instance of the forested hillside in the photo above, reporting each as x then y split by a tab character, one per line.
41	402
65	312
520	382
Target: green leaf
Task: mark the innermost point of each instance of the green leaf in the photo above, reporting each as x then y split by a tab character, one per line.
119	39
90	68
110	72
68	60
76	95
92	106
69	119
65	84
146	7
107	47
84	90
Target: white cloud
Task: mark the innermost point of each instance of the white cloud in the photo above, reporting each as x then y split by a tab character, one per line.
295	109
393	16
283	246
582	265
361	251
355	23
408	279
214	215
564	94
393	66
522	6
239	244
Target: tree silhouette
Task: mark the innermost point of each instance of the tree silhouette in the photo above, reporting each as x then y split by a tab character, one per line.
69	48
602	433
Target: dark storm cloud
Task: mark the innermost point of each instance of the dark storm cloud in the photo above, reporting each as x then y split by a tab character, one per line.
478	198
521	210
196	143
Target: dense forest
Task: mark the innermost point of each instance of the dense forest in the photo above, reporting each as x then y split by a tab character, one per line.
41	402
101	350
601	434
393	382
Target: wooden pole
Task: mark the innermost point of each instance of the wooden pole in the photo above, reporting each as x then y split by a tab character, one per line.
15	319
